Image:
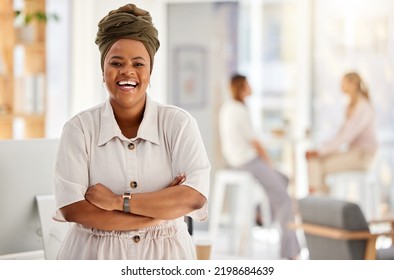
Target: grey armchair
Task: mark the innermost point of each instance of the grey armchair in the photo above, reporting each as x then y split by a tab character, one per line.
337	230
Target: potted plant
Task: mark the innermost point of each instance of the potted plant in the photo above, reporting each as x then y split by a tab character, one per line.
28	26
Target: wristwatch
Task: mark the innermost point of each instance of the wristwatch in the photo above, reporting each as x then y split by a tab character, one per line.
126	202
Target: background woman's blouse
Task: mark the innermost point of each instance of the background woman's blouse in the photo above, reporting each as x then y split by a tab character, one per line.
236	133
93	150
358	131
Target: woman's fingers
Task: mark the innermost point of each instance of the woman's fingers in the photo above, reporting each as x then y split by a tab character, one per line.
178	180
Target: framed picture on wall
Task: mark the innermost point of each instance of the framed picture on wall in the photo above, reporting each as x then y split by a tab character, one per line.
189	76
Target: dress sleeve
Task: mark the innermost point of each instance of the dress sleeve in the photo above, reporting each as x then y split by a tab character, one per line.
189	157
350	130
71	176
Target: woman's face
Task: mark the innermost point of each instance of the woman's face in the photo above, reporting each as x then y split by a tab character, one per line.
127	73
348	86
246	91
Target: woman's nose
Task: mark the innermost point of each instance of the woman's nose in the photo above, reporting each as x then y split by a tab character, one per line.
127	71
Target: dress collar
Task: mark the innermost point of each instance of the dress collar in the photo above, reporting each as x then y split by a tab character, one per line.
148	129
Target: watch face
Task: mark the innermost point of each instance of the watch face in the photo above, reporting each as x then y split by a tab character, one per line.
126	202
126	195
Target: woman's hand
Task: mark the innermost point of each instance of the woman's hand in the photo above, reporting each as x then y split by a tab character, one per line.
102	197
311	154
178	180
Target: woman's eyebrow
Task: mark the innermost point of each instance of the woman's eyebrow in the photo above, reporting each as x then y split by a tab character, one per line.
121	57
116	57
138	57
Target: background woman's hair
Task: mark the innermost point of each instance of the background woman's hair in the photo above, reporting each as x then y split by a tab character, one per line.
237	84
355	78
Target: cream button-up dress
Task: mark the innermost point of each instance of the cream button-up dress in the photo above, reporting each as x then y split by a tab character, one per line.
93	150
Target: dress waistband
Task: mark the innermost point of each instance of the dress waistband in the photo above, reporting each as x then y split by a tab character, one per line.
165	229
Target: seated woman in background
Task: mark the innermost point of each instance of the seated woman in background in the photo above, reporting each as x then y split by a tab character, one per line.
357	136
243	150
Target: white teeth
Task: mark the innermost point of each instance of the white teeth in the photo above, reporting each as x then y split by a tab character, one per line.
129	83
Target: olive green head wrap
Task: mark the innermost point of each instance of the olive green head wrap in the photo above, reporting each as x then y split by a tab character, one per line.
127	22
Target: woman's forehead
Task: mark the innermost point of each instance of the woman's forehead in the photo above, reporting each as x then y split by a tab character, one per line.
124	46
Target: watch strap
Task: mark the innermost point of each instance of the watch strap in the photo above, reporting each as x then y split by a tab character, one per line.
126	202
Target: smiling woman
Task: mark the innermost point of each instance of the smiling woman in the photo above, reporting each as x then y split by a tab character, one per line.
127	75
130	169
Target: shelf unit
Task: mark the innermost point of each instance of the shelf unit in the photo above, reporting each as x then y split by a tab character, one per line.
22	72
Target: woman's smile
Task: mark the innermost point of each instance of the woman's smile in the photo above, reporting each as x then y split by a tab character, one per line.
127	85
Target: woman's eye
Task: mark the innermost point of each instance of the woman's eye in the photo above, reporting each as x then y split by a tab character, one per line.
138	64
115	64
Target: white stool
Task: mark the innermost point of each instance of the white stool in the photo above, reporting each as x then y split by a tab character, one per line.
358	187
246	193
